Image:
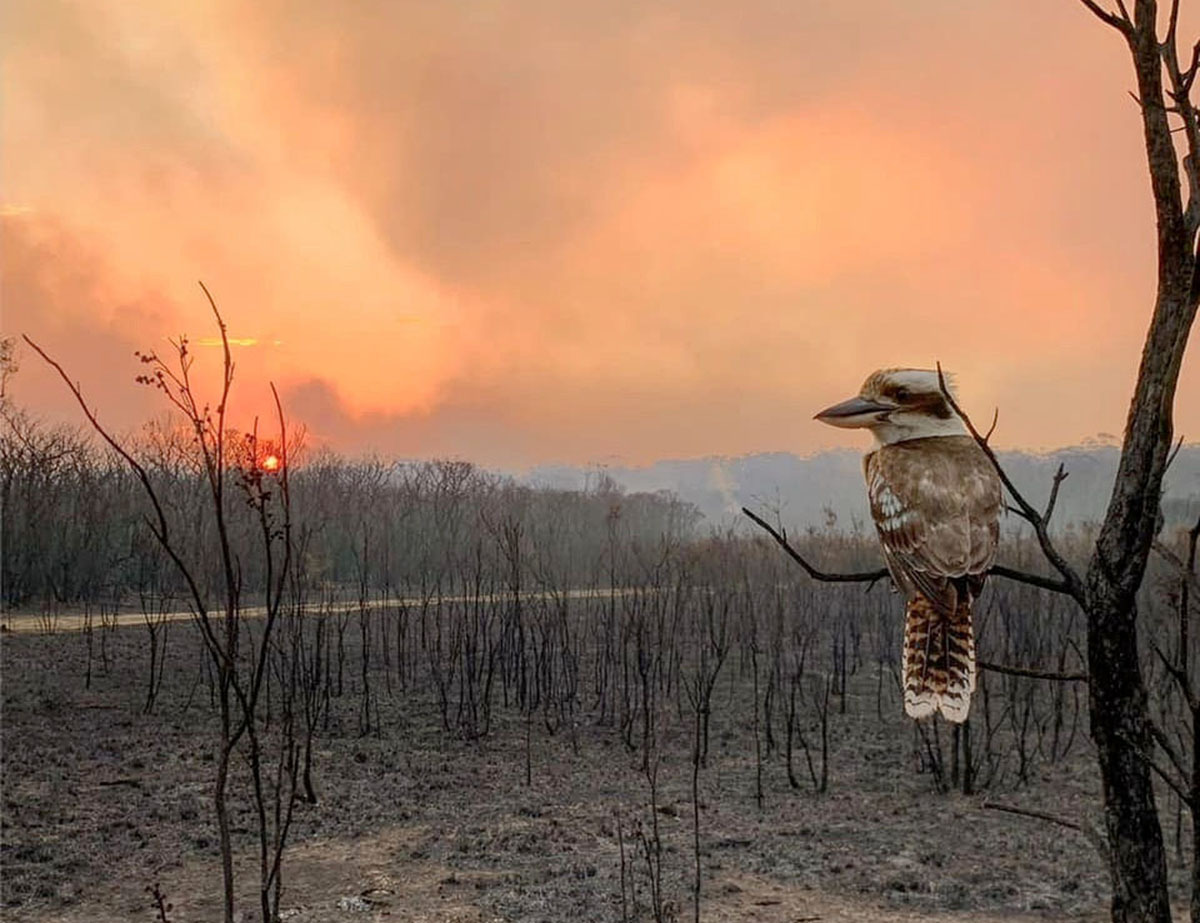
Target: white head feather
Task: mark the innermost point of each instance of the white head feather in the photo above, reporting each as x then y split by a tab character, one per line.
897	405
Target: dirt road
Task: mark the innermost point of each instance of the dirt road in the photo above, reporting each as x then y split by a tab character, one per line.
79	620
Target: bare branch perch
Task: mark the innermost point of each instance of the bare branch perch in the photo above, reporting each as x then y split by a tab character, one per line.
1073	585
1020	576
1032	674
870	576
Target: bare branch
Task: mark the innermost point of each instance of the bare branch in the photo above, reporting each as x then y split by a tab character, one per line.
1086	829
1171	457
1036	815
1074	585
1179	788
1121	23
1168	748
1032	674
1177	563
869	577
1190	74
1020	576
1182	680
158	525
1172	23
1008	573
1059	476
992	428
227	379
1181	85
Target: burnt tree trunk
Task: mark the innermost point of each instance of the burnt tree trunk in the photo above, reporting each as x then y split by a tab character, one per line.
1121	731
1120	721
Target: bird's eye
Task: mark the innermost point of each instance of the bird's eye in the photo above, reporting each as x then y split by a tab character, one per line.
902	394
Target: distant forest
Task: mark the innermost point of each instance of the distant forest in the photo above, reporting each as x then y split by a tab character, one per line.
812	490
73	516
74	521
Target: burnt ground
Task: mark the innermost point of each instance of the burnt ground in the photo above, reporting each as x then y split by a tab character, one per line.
101	801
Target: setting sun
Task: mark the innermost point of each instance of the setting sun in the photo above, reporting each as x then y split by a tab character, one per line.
271	463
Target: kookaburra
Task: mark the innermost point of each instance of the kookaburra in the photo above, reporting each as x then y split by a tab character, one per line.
936	501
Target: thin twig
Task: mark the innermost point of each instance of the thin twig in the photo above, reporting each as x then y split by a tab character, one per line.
871	576
1168	748
1190	74
158	525
1072	581
1181	85
1037	815
1032	674
1177	563
1059	476
1171	457
1181	678
1086	829
1149	760
992	428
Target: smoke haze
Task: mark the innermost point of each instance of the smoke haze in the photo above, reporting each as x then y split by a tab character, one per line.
528	232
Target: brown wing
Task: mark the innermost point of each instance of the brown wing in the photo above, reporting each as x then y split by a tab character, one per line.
936	505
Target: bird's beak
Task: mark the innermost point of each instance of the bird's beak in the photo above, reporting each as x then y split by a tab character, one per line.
858	411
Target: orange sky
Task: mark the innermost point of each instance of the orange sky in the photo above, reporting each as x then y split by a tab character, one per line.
540	231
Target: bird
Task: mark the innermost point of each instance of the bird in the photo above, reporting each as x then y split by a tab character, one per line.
936	500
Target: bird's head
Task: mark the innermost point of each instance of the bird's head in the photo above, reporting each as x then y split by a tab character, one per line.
897	404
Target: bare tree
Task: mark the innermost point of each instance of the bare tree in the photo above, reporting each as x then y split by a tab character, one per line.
241	658
1121	726
1120	722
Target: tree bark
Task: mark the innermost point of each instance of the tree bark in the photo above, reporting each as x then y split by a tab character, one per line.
1121	732
1119	717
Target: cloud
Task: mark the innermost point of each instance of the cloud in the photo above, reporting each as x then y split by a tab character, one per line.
60	293
459	428
534	230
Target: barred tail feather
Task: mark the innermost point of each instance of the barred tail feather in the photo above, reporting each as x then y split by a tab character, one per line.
938	660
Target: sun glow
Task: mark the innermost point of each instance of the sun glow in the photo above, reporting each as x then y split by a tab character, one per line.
233	341
271	463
